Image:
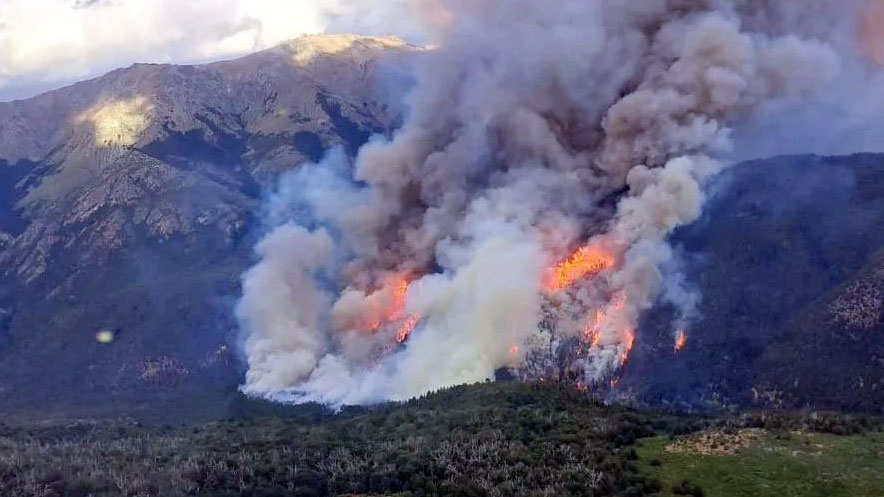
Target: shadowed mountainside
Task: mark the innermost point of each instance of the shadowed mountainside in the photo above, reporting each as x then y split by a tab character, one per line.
127	204
789	259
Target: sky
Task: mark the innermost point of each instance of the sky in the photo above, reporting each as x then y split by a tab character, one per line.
46	44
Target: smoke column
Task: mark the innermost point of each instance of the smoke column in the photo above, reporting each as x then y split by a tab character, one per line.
523	208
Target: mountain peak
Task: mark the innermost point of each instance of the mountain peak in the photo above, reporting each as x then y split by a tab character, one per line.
308	47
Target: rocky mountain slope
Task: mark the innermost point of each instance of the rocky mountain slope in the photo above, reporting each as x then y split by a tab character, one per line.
788	259
126	203
128	206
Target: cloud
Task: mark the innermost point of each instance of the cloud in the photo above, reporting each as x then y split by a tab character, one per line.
48	43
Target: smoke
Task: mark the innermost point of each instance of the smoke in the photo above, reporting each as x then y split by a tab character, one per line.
519	218
845	115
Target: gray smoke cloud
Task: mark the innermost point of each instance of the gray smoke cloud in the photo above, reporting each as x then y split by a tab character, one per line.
548	151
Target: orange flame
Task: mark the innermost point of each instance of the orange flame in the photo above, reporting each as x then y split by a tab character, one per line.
680	340
629	342
389	302
407	327
592	333
384	307
586	261
400	288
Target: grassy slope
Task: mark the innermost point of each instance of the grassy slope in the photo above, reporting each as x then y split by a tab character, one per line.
796	465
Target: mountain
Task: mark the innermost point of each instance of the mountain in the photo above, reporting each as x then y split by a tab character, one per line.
127	204
129	208
789	260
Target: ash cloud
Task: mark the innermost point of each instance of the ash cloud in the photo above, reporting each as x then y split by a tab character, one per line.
427	261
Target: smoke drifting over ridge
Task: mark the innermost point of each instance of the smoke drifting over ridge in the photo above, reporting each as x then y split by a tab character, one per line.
519	217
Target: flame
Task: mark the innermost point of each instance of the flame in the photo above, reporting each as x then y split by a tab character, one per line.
680	340
384	307
592	334
400	289
871	31
407	327
388	302
588	260
514	357
628	343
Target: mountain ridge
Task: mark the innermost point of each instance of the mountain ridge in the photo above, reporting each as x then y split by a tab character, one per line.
131	206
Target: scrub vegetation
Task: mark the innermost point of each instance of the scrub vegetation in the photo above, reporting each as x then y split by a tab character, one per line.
499	439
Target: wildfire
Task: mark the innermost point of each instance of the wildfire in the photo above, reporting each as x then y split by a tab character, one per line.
396	312
592	333
382	308
407	327
586	261
680	340
628	343
400	288
386	305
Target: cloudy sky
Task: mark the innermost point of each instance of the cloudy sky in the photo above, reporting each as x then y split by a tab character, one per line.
48	43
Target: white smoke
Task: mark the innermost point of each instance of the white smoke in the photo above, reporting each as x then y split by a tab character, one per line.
279	299
526	120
